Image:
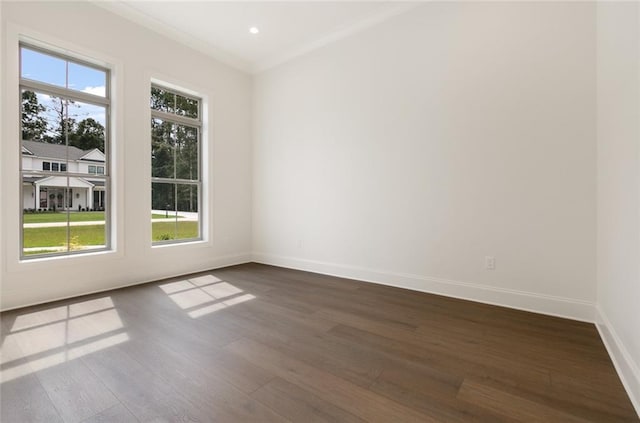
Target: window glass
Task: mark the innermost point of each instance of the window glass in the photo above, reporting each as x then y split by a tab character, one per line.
42	67
163	100
176	187
162	149
186	106
86	126
186	152
66	132
87	79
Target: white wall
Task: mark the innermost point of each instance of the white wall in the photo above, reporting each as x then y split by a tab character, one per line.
407	153
137	55
618	81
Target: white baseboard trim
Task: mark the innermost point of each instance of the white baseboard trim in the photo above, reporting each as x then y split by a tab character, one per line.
215	263
628	370
527	301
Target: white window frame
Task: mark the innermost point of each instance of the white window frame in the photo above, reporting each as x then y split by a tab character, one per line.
45	88
194	123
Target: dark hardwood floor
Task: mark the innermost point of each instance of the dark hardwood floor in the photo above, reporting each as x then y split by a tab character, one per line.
261	343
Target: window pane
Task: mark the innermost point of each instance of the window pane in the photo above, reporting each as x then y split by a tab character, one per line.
187	221
163	197
186	106
45	166
187	228
42	67
55	167
187	198
42	117
186	152
174	212
44	229
63	167
88	80
162	149
86	128
88	205
163	100
163	211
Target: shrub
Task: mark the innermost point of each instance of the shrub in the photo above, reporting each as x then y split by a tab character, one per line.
165	237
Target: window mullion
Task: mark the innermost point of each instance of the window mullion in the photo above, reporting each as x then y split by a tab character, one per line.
63	92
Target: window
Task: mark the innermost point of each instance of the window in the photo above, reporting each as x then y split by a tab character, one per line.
64	115
54	167
92	169
176	188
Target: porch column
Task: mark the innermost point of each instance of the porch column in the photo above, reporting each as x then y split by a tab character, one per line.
36	195
90	198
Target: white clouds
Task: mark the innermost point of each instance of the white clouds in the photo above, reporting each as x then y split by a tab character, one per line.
100	90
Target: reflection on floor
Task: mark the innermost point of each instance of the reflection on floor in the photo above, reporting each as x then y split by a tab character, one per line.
266	344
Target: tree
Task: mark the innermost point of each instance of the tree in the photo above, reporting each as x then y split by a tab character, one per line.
34	124
64	126
187	166
88	134
162	154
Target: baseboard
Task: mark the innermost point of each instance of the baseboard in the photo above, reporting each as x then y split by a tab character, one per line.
527	301
628	370
215	263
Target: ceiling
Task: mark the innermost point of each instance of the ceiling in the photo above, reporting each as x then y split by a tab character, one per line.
287	29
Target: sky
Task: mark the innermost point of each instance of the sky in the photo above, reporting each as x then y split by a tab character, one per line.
52	70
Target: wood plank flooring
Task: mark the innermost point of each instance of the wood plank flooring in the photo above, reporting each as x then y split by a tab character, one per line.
266	344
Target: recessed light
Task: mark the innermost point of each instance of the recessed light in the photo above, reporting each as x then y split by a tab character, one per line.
254	30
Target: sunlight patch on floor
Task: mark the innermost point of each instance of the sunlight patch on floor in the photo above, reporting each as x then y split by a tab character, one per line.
204	295
46	338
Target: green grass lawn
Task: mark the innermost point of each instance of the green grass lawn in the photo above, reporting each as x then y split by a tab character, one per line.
74	217
95	234
62	217
176	230
57	236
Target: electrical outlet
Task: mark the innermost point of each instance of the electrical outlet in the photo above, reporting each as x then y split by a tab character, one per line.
490	262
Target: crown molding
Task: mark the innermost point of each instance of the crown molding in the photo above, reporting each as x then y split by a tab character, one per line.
132	14
352	28
123	9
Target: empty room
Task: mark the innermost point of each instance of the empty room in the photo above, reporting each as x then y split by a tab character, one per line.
331	211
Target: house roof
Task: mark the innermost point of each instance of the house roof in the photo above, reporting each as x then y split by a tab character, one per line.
83	181
54	151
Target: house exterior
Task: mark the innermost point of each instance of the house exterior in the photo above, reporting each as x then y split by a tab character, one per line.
78	186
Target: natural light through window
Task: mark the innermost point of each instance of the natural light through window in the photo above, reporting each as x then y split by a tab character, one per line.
204	295
65	154
176	179
46	338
